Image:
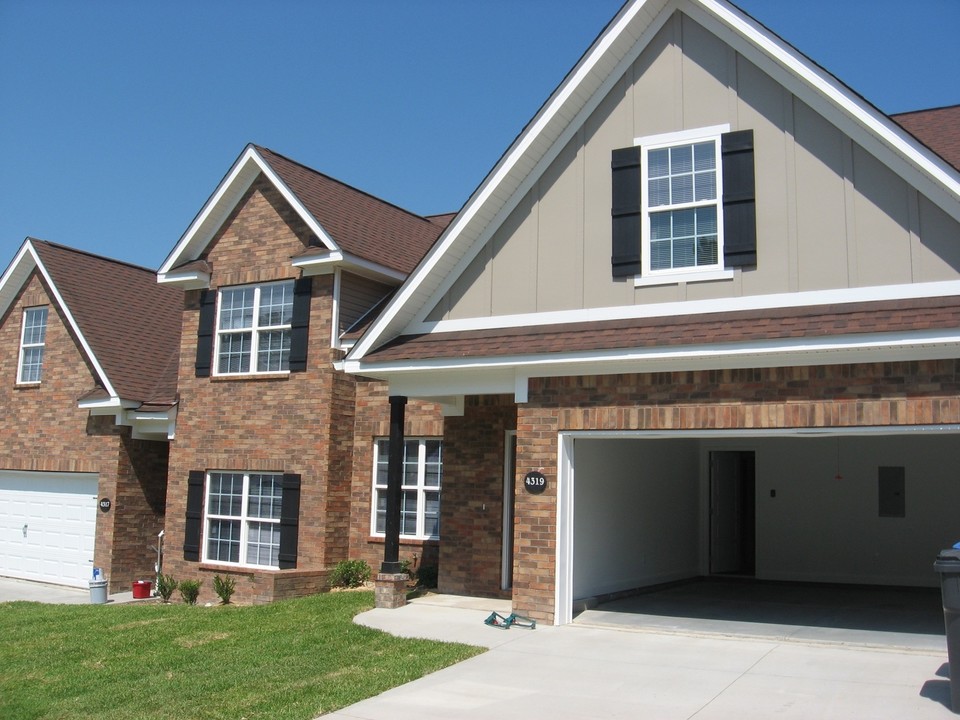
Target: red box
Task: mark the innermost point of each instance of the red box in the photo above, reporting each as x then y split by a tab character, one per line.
141	589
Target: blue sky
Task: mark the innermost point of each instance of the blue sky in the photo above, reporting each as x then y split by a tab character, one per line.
118	119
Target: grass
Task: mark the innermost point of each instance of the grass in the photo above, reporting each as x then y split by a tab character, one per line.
290	660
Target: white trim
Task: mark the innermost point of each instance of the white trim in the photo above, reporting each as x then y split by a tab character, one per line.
681	137
244	518
421	488
24	346
563	582
675	277
255	329
335	309
187	279
806	298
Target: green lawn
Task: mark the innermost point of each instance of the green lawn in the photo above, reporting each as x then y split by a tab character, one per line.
291	659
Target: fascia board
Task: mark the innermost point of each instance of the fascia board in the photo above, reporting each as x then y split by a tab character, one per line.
189	280
215	211
25	261
326	264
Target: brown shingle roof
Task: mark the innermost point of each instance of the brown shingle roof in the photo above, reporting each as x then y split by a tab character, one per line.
712	328
938	129
359	223
131	323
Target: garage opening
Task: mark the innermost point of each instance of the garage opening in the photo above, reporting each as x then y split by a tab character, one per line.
643	511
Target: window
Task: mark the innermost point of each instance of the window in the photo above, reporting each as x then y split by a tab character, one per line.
32	341
420	499
242	520
254	329
684	206
681	224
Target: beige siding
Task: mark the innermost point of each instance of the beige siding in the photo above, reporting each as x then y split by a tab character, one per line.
829	214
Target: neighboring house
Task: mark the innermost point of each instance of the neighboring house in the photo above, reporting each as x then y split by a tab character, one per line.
89	403
701	318
277	451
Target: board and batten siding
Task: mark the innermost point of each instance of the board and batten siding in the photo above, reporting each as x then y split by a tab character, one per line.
829	214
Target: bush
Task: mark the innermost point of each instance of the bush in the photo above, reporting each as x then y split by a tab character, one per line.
224	587
189	591
165	586
350	573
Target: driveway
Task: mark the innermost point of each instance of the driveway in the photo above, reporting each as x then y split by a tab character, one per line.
587	671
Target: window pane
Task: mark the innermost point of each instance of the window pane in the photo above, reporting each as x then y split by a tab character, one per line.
408	513
411	462
35	326
707	250
276	305
381	505
681	159
433	468
32	363
265	496
234	353
707	220
706	185
263	544
681	189
658	162
660	255
274	352
236	308
683	253
705	156
431	514
660	225
226	494
383	453
224	541
659	192
683	223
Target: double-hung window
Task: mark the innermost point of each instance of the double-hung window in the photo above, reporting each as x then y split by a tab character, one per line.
420	499
32	341
254	329
242	523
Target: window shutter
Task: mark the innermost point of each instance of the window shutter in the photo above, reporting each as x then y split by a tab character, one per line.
300	324
739	203
208	311
626	212
289	520
191	534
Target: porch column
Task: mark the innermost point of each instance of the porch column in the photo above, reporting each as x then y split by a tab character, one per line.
391	584
391	546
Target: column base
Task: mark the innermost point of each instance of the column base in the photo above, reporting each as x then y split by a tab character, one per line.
391	590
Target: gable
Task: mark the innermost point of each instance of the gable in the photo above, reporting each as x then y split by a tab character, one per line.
668	71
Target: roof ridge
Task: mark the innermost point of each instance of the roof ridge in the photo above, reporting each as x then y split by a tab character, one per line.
95	256
347	185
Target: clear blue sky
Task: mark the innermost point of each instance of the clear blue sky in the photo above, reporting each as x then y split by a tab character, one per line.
118	119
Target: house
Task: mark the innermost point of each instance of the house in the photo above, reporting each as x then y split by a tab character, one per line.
700	318
89	406
277	466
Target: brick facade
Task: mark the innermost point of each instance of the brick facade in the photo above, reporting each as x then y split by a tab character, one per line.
43	430
876	394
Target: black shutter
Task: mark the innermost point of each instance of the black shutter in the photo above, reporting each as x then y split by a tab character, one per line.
739	203
300	324
191	534
626	212
208	311
289	520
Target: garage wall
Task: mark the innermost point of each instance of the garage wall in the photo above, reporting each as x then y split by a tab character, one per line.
635	514
823	528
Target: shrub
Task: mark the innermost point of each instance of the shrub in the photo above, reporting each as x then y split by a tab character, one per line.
224	587
189	591
350	573
165	586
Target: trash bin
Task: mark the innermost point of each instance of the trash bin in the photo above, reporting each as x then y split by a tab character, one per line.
98	592
948	565
141	589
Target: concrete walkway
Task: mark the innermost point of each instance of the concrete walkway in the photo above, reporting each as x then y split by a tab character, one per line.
584	671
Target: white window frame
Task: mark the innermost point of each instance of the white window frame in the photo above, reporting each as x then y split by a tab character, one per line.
32	344
255	330
380	446
696	273
244	518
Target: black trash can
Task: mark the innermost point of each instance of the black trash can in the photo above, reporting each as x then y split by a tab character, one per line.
948	565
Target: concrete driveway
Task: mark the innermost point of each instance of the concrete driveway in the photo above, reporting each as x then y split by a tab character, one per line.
586	671
12	589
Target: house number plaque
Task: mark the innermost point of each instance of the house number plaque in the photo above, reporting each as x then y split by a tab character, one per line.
105	504
535	482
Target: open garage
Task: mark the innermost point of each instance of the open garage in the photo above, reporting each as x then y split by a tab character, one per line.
865	507
48	526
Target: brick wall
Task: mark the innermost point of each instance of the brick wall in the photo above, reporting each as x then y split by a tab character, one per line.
42	429
878	394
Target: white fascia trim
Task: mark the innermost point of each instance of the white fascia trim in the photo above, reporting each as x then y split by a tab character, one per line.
509	161
325	264
319	265
335	311
238	180
107	406
762	432
188	280
808	298
764	353
831	95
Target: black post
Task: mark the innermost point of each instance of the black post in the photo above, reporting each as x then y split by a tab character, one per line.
391	545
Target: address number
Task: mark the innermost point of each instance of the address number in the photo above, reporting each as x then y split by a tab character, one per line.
535	482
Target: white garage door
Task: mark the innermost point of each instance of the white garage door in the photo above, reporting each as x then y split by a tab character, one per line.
47	526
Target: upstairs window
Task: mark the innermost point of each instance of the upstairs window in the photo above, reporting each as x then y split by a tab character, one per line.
254	329
420	499
32	341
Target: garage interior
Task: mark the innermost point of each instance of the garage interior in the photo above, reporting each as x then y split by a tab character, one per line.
783	533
